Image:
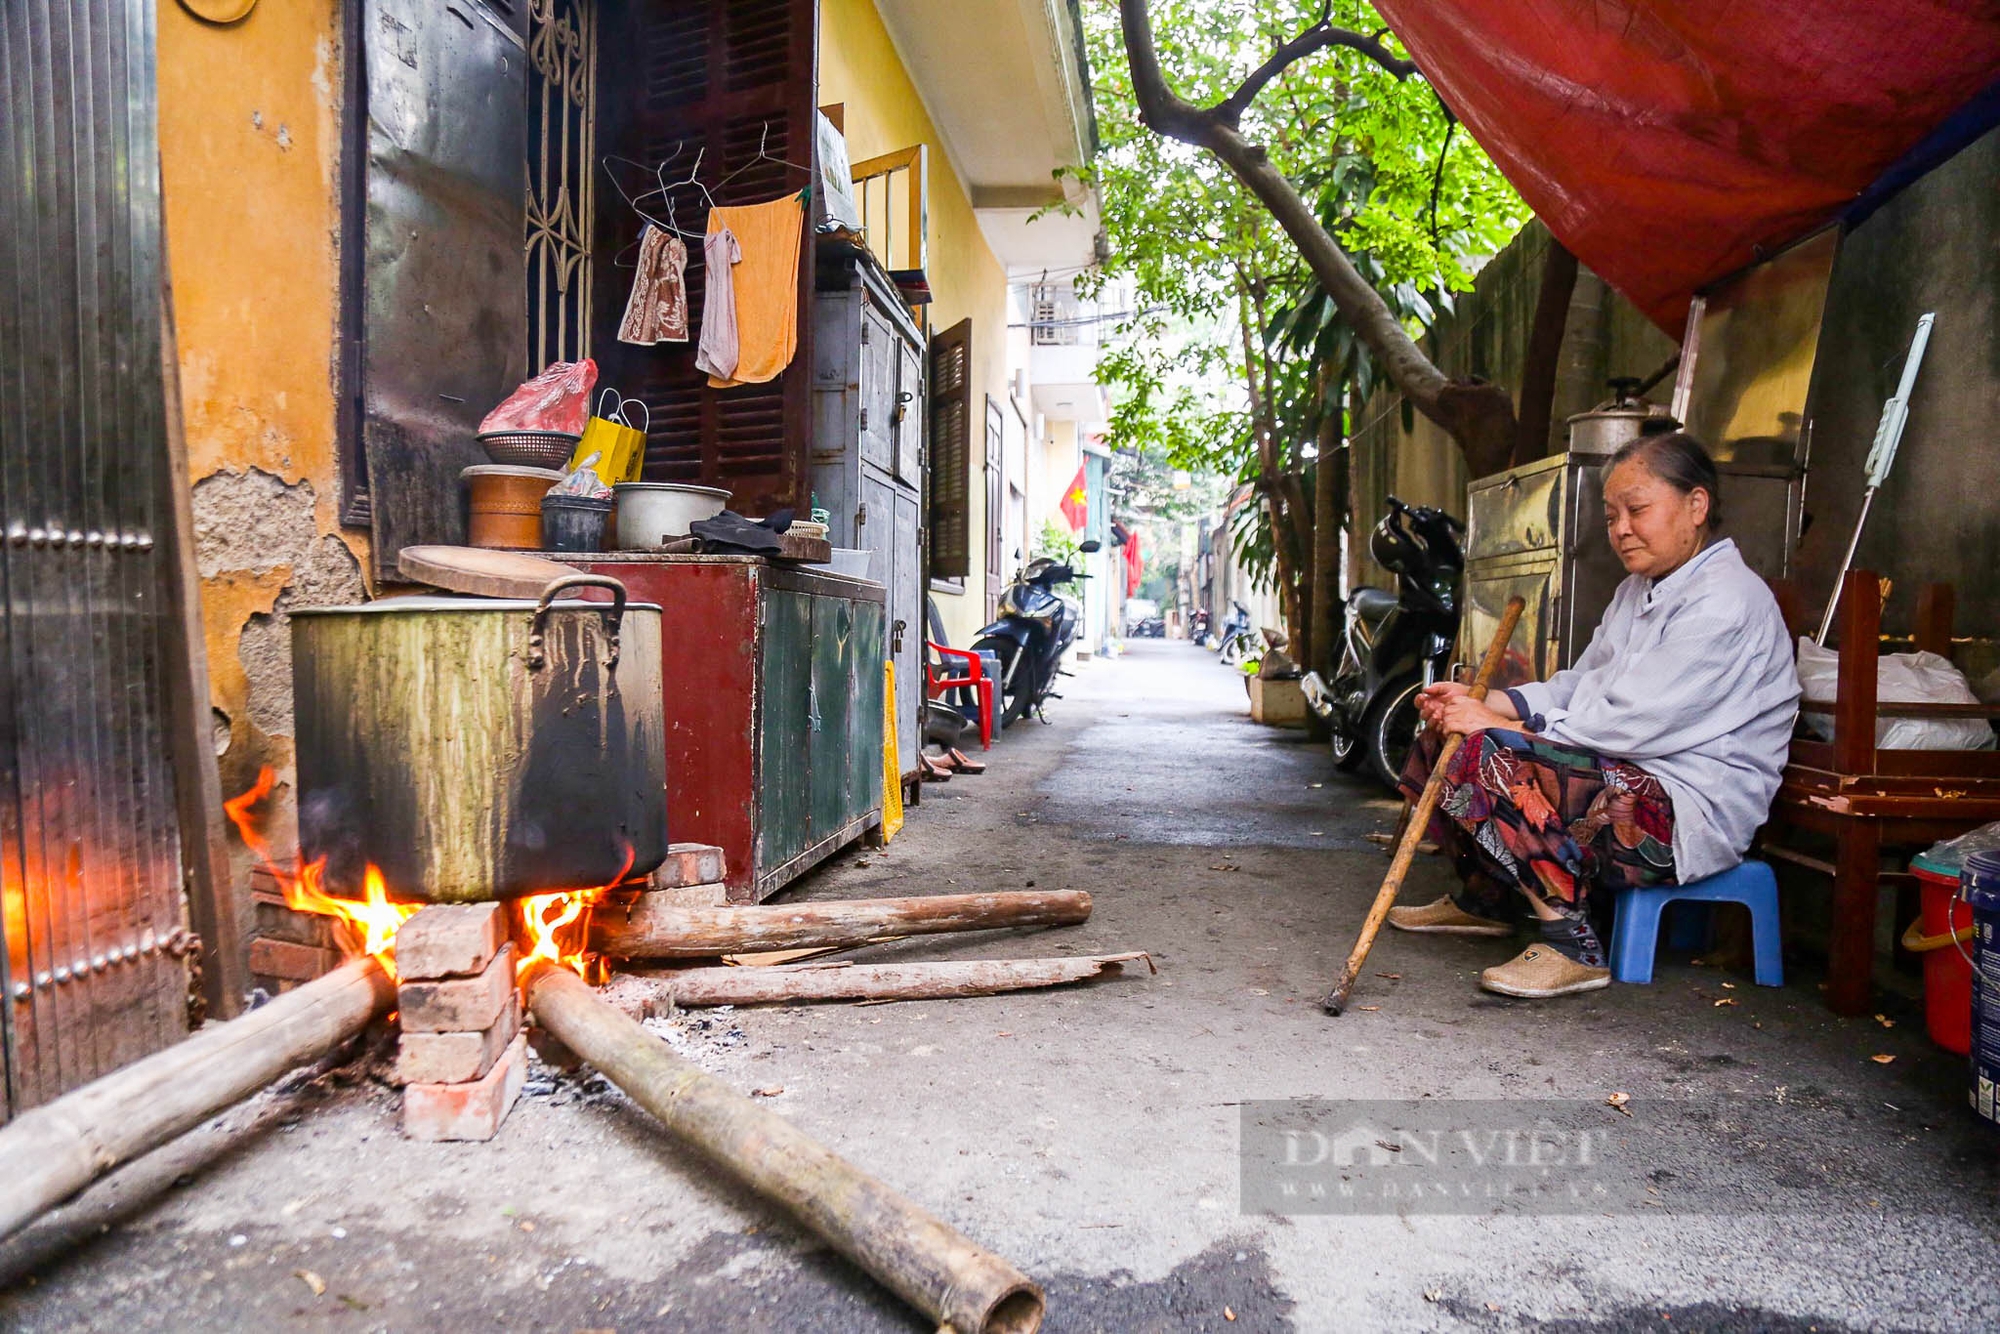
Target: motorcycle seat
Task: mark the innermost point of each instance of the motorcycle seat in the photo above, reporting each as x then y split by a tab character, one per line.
1372	604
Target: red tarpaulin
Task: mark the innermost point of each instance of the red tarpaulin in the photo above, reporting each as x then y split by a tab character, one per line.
1665	141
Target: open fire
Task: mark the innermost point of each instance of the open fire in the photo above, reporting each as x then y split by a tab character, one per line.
552	926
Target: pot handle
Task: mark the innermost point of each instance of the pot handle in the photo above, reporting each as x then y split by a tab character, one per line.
612	619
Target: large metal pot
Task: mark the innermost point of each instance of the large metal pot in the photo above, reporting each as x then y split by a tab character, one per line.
481	748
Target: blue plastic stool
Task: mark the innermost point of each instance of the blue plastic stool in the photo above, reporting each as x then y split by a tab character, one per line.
1636	935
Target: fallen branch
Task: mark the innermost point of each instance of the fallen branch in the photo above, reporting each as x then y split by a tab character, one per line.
52	1152
654	927
643	993
927	1262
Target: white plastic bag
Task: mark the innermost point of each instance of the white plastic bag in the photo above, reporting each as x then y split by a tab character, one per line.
1901	678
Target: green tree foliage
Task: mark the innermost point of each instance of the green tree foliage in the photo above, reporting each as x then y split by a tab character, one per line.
1232	354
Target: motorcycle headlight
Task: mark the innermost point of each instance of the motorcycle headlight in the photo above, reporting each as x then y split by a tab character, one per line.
1007	607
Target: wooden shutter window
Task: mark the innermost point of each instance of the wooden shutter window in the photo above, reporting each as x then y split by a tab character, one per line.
714	80
950	523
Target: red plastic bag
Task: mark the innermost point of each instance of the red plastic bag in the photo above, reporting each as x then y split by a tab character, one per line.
556	400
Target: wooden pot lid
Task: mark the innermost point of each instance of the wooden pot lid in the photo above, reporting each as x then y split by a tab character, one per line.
480	570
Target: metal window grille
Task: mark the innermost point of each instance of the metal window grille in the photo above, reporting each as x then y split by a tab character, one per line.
562	50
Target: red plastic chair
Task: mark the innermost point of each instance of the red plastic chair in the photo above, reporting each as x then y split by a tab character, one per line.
937	682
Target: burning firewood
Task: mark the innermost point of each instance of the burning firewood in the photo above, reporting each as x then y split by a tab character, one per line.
54	1151
654	927
694	987
928	1263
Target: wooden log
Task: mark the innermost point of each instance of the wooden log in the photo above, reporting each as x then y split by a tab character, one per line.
694	987
52	1152
655	927
923	1259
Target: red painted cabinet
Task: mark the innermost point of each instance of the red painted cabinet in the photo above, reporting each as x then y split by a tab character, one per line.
772	677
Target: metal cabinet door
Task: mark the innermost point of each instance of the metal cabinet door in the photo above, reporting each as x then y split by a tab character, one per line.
832	714
910	414
866	650
875	528
878	389
906	608
784	729
1533	653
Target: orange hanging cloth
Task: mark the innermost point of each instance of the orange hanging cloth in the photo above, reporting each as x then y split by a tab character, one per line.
767	286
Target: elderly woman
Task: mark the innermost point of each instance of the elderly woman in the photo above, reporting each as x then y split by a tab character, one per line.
1652	761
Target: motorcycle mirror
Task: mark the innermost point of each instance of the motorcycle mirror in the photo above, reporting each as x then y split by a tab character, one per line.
1092	545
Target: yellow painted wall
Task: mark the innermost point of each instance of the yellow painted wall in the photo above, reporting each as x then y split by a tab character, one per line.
249	156
858	67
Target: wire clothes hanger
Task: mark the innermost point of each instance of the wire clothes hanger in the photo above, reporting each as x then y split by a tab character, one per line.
763	144
662	190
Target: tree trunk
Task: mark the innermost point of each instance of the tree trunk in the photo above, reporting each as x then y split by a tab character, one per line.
1477	415
691	988
1329	506
654	927
1538	376
1270	481
53	1151
922	1259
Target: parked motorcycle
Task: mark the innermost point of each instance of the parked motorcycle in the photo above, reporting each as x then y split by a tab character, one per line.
1236	641
1035	628
1394	644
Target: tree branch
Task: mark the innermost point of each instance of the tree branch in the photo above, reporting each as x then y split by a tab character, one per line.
1479	416
1316	38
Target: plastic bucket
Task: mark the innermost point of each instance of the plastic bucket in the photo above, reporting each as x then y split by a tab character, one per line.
1979	886
574	523
1941	934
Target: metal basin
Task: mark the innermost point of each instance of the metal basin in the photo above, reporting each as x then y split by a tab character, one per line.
481	748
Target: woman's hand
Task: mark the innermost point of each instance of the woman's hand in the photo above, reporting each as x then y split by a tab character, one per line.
1450	707
1463	714
1432	699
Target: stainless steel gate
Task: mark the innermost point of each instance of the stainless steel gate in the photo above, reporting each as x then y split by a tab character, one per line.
94	926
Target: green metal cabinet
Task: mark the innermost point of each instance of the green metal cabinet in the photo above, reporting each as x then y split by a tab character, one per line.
773	683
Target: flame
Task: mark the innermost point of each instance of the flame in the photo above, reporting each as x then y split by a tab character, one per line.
370	921
549	922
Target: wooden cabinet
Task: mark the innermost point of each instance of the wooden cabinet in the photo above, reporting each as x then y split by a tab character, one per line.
868	451
772	678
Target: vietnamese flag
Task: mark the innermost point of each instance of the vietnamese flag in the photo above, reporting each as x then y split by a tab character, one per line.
1076	503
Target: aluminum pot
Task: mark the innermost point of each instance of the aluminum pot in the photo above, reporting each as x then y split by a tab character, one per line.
481	748
651	514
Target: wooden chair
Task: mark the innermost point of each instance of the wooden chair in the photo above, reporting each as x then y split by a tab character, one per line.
1866	799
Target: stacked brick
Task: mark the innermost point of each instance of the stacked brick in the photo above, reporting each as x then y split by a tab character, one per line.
462	1059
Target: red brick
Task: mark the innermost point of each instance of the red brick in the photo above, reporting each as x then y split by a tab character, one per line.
459	1004
454	1058
289	961
467	1111
450	940
689	864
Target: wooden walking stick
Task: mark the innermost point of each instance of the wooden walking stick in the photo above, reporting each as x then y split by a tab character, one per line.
1419	821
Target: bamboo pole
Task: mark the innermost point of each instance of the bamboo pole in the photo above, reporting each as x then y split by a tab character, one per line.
52	1152
654	927
924	1260
695	987
1419	820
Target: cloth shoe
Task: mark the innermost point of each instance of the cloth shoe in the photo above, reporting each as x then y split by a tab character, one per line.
1446	918
1540	971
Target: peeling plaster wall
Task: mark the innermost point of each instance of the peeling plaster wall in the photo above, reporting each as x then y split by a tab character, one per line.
249	150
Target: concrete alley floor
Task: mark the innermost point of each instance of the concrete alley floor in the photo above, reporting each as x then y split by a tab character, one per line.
1090	1135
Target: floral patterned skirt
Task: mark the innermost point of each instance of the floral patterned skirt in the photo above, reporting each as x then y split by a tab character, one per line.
1525	814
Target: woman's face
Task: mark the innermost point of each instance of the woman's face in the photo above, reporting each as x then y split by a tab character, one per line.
1653	527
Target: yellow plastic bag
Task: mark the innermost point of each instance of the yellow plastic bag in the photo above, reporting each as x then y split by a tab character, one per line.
620	447
892	769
